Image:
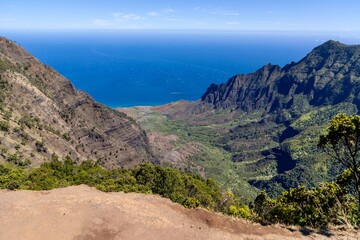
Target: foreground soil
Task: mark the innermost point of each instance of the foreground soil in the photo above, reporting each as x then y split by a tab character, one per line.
84	213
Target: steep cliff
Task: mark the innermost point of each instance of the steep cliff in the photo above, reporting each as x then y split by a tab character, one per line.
328	75
43	115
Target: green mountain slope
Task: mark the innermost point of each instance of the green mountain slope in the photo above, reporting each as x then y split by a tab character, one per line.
259	130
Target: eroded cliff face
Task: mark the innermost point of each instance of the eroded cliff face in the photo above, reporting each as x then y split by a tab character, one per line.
44	114
247	92
330	74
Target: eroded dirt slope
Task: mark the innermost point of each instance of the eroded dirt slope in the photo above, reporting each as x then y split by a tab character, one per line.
83	213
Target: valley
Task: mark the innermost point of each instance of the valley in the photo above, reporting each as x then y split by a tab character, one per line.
247	148
260	130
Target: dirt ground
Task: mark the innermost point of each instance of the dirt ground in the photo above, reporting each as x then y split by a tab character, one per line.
84	213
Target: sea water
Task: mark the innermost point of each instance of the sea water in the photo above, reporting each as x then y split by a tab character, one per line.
122	69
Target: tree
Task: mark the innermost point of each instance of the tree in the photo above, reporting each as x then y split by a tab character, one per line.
342	142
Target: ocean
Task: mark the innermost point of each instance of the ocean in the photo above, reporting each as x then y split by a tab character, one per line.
123	69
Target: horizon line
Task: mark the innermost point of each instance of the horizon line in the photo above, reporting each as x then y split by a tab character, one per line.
180	30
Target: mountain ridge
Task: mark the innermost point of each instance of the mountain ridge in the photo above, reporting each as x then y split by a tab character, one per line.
319	86
309	77
257	131
261	128
45	115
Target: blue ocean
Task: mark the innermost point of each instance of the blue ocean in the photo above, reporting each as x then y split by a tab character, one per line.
123	69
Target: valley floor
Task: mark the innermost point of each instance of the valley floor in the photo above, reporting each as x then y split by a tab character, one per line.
84	213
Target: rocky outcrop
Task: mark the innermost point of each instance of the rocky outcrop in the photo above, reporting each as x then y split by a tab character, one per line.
41	107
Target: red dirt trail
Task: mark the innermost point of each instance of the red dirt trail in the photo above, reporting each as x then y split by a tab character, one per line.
84	213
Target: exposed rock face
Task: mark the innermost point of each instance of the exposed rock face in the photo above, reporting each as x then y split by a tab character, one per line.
330	74
45	114
248	92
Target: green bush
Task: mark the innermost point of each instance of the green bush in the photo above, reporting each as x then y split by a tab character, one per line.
245	212
4	126
40	146
12	178
233	211
318	207
17	159
187	189
191	203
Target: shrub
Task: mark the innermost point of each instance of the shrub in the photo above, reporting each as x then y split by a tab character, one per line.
317	207
191	203
17	159
187	189
12	178
4	126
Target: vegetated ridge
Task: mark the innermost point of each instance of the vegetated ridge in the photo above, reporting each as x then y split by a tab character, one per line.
260	130
42	114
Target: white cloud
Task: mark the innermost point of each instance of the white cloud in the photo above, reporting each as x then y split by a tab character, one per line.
168	10
127	16
153	14
101	22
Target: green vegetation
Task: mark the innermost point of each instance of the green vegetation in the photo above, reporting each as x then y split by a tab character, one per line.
245	155
187	189
4	65
29	122
329	203
66	136
40	146
210	155
317	207
4	126
4	87
342	143
18	159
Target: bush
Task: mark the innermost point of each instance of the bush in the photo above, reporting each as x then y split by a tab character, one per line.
189	190
317	207
233	211
191	203
4	126
17	159
245	212
12	178
40	146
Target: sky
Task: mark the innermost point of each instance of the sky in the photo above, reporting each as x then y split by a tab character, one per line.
224	15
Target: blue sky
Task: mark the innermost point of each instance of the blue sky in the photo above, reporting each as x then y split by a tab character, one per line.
233	15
